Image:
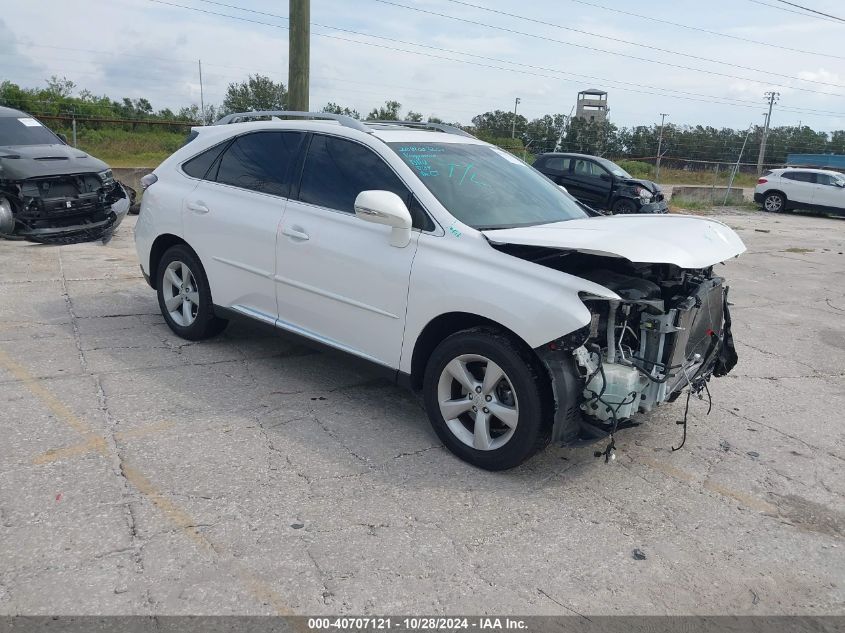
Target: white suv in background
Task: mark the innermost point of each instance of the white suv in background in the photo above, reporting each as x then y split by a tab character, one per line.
446	262
798	188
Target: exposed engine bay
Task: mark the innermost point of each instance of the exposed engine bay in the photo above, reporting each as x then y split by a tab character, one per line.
668	333
63	209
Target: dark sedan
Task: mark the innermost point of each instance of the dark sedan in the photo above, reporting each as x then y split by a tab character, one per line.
602	184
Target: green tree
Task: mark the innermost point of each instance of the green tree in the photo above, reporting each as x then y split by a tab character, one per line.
60	87
388	112
498	124
256	93
333	108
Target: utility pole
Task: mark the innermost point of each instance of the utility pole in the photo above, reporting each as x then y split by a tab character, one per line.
663	116
299	53
736	167
772	97
202	98
513	123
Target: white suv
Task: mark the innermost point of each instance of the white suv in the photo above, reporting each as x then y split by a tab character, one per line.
445	261
796	188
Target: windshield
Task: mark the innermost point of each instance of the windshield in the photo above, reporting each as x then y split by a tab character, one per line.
25	131
485	187
614	169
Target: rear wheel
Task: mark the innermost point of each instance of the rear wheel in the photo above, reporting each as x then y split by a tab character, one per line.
184	296
486	400
774	202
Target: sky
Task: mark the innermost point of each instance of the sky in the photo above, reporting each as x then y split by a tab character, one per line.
453	58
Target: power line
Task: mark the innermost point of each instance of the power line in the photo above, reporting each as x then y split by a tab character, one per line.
622	41
827	15
625	55
814	13
662	92
707	31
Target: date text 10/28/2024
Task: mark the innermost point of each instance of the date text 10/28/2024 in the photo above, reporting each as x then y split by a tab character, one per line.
416	623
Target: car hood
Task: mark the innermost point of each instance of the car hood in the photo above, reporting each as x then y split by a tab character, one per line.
682	240
19	162
636	182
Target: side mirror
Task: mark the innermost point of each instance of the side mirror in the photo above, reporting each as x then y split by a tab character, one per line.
385	207
563	189
606	177
62	138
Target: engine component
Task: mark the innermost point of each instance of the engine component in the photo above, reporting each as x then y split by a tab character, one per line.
612	391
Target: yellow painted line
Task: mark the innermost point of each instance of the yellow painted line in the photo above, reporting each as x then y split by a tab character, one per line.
260	590
749	501
56	406
144	431
98	443
95	444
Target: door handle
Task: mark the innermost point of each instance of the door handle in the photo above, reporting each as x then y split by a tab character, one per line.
198	207
296	233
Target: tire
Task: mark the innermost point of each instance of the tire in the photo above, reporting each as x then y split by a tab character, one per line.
774	202
520	396
624	206
188	293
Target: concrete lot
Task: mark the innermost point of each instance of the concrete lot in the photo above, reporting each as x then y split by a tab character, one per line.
140	473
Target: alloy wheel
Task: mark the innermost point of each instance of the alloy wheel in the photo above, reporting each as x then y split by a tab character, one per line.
773	203
181	297
478	402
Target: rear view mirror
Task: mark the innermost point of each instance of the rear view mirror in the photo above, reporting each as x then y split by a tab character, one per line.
385	207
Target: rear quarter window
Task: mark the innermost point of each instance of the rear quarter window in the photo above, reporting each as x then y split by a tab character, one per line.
198	166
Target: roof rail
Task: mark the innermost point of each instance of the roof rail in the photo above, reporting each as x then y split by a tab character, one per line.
440	127
345	121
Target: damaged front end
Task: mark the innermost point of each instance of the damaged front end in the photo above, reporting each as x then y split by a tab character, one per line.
662	327
669	331
63	209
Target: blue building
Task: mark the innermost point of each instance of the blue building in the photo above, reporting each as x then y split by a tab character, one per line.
819	161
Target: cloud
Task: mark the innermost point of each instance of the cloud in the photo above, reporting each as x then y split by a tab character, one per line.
151	50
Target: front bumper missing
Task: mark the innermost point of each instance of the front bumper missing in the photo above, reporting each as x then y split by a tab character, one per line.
698	344
84	231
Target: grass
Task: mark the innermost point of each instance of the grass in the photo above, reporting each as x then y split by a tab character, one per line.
148	147
640	169
128	148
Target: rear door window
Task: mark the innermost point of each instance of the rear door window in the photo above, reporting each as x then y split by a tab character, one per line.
800	176
260	161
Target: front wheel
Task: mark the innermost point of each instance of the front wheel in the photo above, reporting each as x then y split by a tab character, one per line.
184	296
487	398
624	206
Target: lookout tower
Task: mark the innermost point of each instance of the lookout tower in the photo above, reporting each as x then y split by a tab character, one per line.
592	105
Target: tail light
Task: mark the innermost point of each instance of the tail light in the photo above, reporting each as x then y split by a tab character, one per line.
762	181
148	180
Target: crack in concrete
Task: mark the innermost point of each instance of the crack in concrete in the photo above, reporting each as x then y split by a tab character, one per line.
419	452
778	431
